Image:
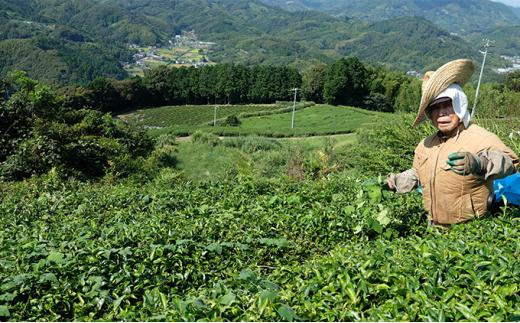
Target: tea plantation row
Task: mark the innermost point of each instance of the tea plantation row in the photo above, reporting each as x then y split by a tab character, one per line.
331	249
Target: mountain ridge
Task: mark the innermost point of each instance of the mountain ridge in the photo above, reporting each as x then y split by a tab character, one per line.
247	32
457	16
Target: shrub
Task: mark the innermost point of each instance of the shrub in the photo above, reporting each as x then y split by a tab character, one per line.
205	138
231	120
39	134
162	157
387	147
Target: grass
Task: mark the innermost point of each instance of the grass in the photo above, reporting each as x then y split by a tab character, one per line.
316	120
316	143
202	161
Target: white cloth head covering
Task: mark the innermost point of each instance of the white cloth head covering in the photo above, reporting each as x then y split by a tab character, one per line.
459	100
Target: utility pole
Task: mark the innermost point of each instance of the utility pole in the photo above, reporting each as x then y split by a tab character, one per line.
215	117
294	105
487	43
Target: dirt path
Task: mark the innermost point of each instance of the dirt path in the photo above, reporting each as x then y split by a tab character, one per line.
187	138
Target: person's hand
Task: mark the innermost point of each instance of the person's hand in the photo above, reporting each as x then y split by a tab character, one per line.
390	182
464	163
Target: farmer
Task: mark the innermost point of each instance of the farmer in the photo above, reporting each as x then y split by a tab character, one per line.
457	165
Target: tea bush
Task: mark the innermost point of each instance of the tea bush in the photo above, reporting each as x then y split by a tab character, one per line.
89	252
331	249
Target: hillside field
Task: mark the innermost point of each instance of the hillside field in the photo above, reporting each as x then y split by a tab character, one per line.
315	120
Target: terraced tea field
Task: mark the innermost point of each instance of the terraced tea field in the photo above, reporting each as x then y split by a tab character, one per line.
315	120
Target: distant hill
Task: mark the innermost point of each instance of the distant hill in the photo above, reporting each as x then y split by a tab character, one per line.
516	10
65	41
457	16
39	37
251	32
507	40
408	43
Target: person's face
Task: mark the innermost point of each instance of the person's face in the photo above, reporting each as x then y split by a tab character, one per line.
443	116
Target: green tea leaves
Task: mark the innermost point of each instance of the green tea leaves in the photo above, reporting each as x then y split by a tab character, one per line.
55	257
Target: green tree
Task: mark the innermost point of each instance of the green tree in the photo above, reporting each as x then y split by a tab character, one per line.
39	133
313	80
385	82
512	81
156	81
105	97
346	82
409	96
207	84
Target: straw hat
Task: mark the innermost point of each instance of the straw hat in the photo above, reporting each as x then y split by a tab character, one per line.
434	82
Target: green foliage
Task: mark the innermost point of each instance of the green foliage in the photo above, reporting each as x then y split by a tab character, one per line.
388	146
260	157
512	81
223	84
377	102
104	95
506	129
386	85
403	44
163	156
433	277
408	96
346	82
205	138
505	38
231	120
178	240
38	135
457	16
313	81
59	61
329	247
494	101
80	41
191	115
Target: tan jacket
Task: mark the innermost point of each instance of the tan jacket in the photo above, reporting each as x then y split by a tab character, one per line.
448	197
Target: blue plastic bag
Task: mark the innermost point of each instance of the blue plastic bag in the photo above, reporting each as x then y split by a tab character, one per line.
508	187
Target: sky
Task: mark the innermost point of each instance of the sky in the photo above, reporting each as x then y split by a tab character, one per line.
514	3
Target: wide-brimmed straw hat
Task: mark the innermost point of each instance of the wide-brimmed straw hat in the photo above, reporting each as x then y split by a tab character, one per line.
434	82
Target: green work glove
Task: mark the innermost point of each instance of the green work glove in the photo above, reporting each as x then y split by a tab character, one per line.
464	163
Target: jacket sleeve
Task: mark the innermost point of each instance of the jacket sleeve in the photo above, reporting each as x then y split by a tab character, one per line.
405	181
500	164
502	161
